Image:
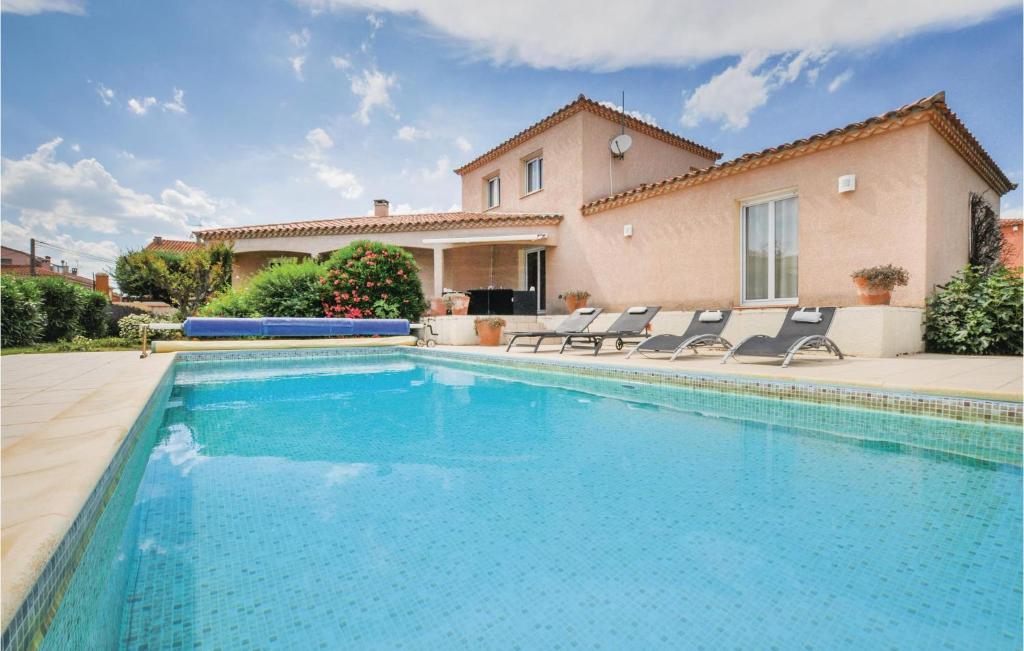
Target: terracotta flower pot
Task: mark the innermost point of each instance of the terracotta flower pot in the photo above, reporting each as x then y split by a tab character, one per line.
460	306
868	295
437	307
490	335
573	303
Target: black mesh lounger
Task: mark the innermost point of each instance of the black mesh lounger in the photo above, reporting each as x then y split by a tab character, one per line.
794	336
630	325
705	330
578	321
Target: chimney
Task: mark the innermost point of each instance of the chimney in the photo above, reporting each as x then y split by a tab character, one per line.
157	239
380	207
102	284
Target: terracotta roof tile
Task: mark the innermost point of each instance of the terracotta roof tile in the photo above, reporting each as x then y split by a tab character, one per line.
388	224
931	108
583	103
174	246
26	270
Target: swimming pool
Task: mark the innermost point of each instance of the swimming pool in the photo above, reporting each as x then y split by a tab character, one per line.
415	502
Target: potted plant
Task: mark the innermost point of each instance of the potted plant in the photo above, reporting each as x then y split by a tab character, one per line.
489	328
457	302
575	298
875	284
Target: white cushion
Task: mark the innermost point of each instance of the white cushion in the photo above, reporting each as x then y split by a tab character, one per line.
805	316
586	310
709	316
640	309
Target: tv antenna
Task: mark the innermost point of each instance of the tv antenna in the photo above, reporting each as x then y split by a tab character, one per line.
621	143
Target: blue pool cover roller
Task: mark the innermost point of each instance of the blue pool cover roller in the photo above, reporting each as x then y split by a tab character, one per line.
292	327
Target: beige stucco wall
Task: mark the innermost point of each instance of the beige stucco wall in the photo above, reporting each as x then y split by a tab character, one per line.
648	159
685	251
562	173
950	183
576	161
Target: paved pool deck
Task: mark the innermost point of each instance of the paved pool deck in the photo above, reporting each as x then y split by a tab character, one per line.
64	415
986	377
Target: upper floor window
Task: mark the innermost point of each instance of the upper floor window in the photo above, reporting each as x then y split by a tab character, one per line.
493	192
534	174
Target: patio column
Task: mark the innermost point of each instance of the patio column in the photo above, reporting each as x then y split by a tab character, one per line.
438	272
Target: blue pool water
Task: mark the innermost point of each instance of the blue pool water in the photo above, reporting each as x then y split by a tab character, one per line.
391	504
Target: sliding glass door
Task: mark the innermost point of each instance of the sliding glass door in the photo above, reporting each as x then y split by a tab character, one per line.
770	251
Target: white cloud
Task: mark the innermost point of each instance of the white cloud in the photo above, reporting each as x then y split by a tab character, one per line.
297	63
1011	213
17	236
646	32
140	106
732	95
300	39
441	169
319	139
376	22
643	117
332	177
76	148
177	105
188	200
463	144
373	90
338	179
106	94
33	7
51	196
839	80
410	133
341	63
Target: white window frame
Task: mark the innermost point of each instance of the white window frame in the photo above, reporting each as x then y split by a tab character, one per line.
769	199
496	180
539	159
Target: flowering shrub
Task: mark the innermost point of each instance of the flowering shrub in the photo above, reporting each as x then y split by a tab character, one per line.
372	280
129	328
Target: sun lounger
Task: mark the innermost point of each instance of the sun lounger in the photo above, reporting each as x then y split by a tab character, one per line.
631	325
803	329
578	321
705	330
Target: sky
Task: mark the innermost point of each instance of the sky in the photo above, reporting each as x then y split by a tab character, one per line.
125	120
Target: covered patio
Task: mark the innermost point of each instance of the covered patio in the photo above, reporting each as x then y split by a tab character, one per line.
497	255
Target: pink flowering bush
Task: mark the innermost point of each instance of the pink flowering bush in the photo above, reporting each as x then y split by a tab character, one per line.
372	280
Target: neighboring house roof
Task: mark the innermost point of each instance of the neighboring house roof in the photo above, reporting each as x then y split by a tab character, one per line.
387	224
173	246
583	103
932	108
1014	221
26	270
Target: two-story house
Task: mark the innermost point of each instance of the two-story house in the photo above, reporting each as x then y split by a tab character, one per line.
560	205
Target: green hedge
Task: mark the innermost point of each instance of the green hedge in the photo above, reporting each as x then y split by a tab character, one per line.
22	319
976	314
50	309
291	289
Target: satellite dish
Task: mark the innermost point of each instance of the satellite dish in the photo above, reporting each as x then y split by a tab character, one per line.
620	145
